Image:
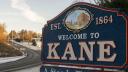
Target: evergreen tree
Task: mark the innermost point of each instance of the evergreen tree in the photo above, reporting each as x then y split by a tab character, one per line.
121	5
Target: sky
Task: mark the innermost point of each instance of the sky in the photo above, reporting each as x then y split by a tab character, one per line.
31	14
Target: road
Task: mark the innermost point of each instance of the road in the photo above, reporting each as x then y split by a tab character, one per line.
32	59
32	69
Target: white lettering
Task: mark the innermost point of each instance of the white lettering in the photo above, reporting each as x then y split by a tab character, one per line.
72	36
105	54
52	54
84	47
69	51
105	49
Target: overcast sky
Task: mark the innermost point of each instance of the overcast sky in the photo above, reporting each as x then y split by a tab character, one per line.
30	14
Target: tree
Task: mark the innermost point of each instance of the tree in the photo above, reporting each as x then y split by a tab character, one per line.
34	35
22	34
121	5
3	33
34	42
13	34
29	36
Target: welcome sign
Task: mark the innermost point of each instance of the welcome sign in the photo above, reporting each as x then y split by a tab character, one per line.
82	36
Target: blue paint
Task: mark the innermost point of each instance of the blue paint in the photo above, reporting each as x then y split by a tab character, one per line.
115	31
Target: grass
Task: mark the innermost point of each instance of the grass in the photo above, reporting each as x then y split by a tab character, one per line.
8	51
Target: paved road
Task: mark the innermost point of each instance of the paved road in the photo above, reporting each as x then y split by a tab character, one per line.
32	69
32	59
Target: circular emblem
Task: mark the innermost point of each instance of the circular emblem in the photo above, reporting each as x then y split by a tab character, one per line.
78	19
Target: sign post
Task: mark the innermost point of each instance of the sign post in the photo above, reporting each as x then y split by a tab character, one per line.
85	37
